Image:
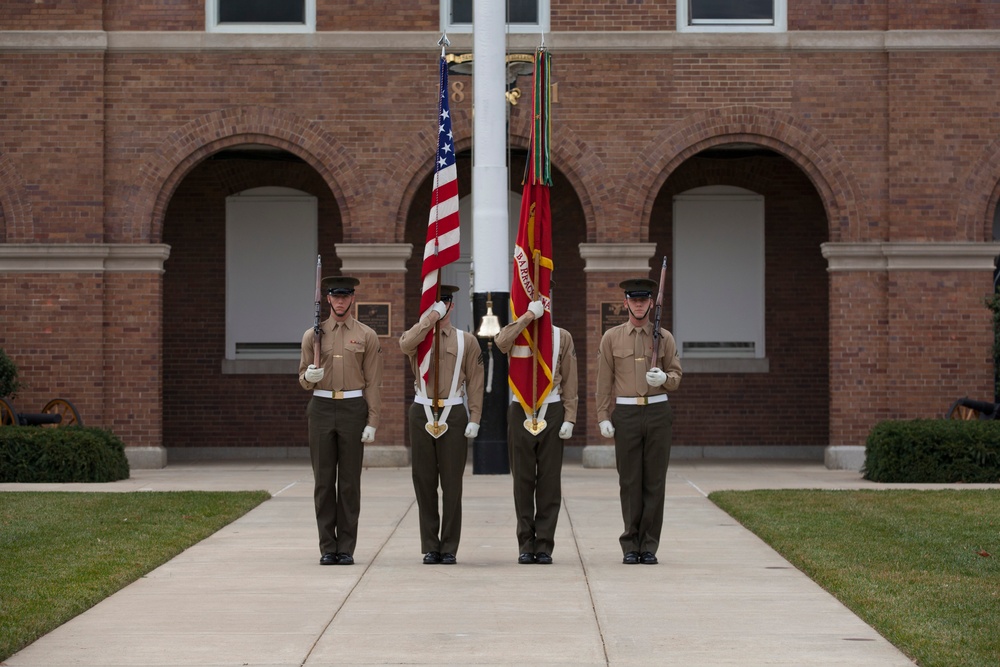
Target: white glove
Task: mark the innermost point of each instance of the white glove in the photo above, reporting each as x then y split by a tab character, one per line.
313	374
566	431
472	430
368	435
607	430
536	308
655	377
440	309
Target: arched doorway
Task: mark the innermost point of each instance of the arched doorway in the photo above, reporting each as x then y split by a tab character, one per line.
226	393
773	400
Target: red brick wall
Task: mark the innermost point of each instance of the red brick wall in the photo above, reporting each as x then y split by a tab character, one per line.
51	15
160	15
132	357
940	128
881	146
388	15
52	111
52	330
201	406
788	405
937	15
939	333
859	354
827	15
586	15
354	126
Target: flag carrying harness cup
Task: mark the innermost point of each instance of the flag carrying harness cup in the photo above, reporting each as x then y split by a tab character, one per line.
443	221
531	375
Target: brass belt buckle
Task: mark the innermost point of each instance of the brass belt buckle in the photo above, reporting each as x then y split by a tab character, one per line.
338	394
438	403
642	400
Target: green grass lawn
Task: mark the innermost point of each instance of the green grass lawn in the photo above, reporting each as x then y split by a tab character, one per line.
921	567
62	553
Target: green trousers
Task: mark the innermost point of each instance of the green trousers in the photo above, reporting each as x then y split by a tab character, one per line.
536	470
642	454
337	454
439	461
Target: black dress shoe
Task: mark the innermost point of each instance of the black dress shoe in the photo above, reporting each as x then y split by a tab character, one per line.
543	558
631	558
448	559
648	558
432	558
526	559
345	559
328	559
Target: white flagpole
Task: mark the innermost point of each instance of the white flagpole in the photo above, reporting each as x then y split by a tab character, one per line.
491	236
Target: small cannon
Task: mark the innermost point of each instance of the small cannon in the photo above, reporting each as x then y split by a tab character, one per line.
56	413
968	409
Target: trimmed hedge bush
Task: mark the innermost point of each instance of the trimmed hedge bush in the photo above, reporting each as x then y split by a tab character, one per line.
9	383
70	454
933	451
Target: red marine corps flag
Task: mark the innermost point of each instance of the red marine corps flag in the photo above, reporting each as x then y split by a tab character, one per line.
441	248
530	370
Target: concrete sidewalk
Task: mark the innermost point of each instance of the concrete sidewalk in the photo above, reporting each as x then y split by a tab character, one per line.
255	594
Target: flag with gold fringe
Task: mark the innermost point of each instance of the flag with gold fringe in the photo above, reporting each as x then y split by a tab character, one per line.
531	362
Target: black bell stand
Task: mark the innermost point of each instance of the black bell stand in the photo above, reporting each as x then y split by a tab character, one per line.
489	450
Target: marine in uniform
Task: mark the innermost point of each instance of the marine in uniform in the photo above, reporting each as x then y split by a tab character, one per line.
641	420
440	427
536	459
343	416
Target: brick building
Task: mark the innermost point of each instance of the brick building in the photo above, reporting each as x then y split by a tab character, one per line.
822	176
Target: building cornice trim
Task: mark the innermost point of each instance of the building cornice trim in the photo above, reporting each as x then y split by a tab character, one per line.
909	256
567	42
82	258
373	257
616	257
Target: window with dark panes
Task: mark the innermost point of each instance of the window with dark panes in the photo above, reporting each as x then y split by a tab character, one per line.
731	11
262	11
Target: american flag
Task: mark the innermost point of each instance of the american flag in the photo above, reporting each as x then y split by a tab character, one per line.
441	247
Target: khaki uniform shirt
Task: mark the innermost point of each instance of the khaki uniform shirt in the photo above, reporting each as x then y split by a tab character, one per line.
623	360
351	358
471	379
564	375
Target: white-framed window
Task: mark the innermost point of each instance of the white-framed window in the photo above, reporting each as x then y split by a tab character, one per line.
271	252
267	16
529	16
732	15
719	273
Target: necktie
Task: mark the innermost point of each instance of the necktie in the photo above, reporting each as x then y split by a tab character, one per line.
337	364
640	363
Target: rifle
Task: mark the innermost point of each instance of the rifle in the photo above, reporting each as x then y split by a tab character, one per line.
317	329
656	316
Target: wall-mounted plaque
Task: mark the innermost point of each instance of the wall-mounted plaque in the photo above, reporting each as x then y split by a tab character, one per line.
376	315
613	313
